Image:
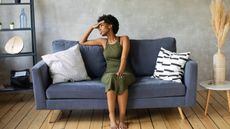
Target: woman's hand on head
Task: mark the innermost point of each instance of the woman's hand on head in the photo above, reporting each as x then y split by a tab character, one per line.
96	26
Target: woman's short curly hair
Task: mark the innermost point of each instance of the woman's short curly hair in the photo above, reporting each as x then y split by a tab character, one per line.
110	19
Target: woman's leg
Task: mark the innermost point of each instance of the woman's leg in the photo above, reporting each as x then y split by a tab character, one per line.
122	101
111	100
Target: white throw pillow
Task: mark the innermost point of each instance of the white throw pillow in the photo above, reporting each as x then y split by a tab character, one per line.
66	65
170	65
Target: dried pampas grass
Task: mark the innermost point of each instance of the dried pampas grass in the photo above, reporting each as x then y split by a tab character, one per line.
220	21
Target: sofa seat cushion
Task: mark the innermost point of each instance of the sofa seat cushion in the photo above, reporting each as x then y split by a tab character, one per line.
73	90
146	87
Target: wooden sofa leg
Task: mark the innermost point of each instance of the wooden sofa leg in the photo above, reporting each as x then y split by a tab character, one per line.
181	113
55	115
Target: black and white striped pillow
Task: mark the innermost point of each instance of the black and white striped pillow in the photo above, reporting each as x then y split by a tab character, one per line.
170	65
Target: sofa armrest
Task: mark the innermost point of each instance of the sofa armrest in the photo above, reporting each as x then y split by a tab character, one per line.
190	81
41	80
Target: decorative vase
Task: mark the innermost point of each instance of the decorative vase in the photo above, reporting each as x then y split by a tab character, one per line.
219	67
23	19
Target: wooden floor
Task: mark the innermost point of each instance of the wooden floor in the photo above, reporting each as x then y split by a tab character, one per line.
17	111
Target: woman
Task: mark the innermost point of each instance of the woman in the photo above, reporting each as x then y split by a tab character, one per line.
118	75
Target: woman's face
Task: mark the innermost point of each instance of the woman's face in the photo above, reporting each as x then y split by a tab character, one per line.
104	28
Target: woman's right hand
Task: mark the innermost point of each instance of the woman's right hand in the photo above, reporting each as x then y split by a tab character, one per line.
95	26
84	38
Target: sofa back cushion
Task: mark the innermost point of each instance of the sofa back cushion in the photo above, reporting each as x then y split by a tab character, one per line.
143	54
92	56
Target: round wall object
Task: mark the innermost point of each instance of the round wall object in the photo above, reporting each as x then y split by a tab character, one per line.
14	45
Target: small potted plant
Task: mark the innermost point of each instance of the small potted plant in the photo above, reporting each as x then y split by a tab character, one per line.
17	1
12	25
0	25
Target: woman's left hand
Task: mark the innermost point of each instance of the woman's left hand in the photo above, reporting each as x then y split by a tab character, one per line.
119	74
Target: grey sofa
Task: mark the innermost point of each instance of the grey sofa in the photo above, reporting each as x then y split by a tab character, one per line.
146	92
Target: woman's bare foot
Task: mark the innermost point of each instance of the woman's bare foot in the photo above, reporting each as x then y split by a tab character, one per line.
122	125
113	126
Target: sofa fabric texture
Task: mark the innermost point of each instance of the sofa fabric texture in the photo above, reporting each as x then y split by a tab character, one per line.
143	54
143	88
146	92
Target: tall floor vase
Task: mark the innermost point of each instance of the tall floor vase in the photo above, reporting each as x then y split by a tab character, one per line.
219	67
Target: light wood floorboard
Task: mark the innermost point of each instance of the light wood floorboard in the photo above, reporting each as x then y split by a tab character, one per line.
18	111
212	113
133	119
97	119
73	120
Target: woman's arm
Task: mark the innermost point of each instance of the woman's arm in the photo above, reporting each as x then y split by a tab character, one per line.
124	55
84	39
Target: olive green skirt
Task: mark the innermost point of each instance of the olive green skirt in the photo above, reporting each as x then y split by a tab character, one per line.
117	84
